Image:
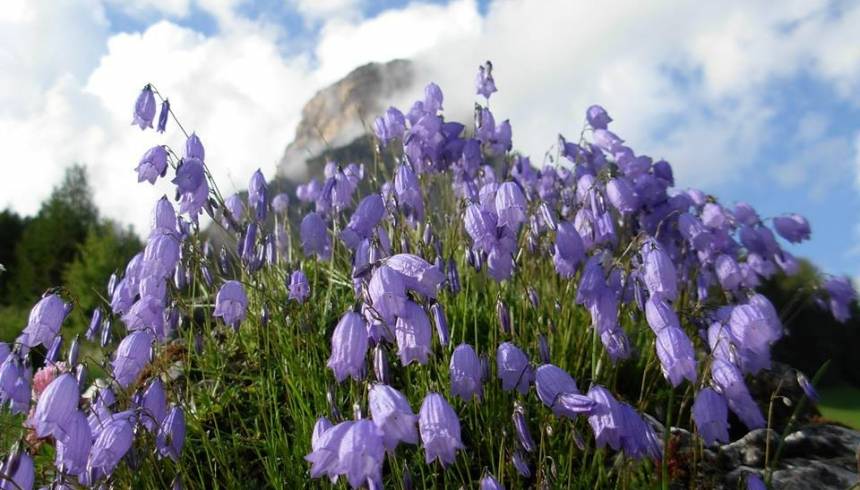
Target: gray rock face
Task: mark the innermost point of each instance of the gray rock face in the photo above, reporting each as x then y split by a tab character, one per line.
341	112
818	456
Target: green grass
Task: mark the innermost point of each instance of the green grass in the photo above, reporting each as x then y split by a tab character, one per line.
841	404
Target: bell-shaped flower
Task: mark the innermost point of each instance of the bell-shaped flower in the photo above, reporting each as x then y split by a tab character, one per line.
162	116
841	295
19	470
314	236
56	405
235	207
481	226
144	108
441	323
281	202
413	334
792	227
622	196
257	195
300	290
387	291
171	434
676	354
465	373
389	126
360	455
325	445
659	313
418	274
45	320
231	303
510	205
659	273
74	448
485	85
190	175
490	483
432	98
728	272
194	148
111	444
569	249
513	368
132	355
711	415
348	347
440	430
729	382
521	427
152	165
365	218
15	384
558	391
391	412
153	405
597	117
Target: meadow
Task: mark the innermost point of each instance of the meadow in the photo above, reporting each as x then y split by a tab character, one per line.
446	315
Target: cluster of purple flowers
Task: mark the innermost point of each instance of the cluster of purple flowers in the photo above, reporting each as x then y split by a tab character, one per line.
608	220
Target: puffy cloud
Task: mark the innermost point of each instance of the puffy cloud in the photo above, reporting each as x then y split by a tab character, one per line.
397	33
695	93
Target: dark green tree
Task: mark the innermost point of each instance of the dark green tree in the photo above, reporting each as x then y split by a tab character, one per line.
106	249
11	228
51	240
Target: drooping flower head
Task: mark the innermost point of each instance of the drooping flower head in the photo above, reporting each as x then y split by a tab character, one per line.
152	165
349	347
513	368
711	415
45	320
597	117
257	195
360	454
792	227
231	303
132	355
21	471
418	274
171	434
314	236
413	335
485	85
300	290
391	412
440	430
112	443
465	372
558	391
56	405
144	108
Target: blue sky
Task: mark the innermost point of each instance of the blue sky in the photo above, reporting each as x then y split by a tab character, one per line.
747	101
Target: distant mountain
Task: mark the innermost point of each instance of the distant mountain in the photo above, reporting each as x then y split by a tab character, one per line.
342	112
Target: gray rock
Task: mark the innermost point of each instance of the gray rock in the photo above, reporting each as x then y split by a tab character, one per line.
819	456
341	112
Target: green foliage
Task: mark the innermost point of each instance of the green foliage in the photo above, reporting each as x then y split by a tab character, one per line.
11	227
106	249
51	239
809	324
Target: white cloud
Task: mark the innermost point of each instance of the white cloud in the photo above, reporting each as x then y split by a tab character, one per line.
402	33
694	92
142	8
318	10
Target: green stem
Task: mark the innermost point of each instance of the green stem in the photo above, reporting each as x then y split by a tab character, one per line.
667	431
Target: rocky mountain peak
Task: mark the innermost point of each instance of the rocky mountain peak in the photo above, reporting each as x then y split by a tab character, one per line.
339	113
